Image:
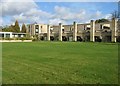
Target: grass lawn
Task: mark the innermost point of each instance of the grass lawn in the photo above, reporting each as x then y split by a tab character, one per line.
60	63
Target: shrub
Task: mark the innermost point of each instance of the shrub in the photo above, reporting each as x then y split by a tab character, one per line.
22	38
34	39
7	38
16	38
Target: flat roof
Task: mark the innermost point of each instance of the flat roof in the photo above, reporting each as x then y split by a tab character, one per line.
13	32
6	32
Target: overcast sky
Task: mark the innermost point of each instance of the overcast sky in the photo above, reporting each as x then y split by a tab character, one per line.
54	12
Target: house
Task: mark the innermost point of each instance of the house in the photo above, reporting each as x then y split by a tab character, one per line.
12	35
92	31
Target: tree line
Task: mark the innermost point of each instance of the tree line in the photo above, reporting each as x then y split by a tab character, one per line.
15	28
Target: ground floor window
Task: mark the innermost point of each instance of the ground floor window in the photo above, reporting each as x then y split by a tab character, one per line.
7	35
118	39
42	38
97	39
106	39
51	38
87	38
19	35
79	38
2	35
64	38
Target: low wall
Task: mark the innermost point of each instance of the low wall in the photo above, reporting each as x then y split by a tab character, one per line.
15	40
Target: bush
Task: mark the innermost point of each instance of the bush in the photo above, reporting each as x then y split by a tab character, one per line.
28	38
22	38
16	38
8	39
1	38
34	39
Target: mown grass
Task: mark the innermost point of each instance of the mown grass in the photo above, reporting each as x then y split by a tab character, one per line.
60	63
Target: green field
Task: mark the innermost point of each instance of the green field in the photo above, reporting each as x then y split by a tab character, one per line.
60	63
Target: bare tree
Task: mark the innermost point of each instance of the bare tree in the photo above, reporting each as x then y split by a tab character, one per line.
116	13
119	9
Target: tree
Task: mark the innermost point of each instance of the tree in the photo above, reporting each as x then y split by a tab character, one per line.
23	28
101	20
115	14
16	27
11	28
119	9
8	29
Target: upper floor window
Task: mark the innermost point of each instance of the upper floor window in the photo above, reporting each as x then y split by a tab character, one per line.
29	26
36	30
70	29
105	30
87	28
63	30
84	27
105	27
41	26
36	26
101	27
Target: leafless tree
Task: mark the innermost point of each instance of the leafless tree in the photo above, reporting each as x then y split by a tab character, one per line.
116	13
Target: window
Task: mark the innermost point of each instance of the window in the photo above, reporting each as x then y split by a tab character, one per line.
36	30
84	27
70	28
41	26
100	26
2	35
87	28
36	26
105	30
105	27
29	30
62	30
7	35
19	35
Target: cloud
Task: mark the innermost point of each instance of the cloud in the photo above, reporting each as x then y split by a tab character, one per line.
108	16
56	21
38	12
68	14
29	12
15	8
63	13
26	12
61	10
1	20
81	15
33	15
27	19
